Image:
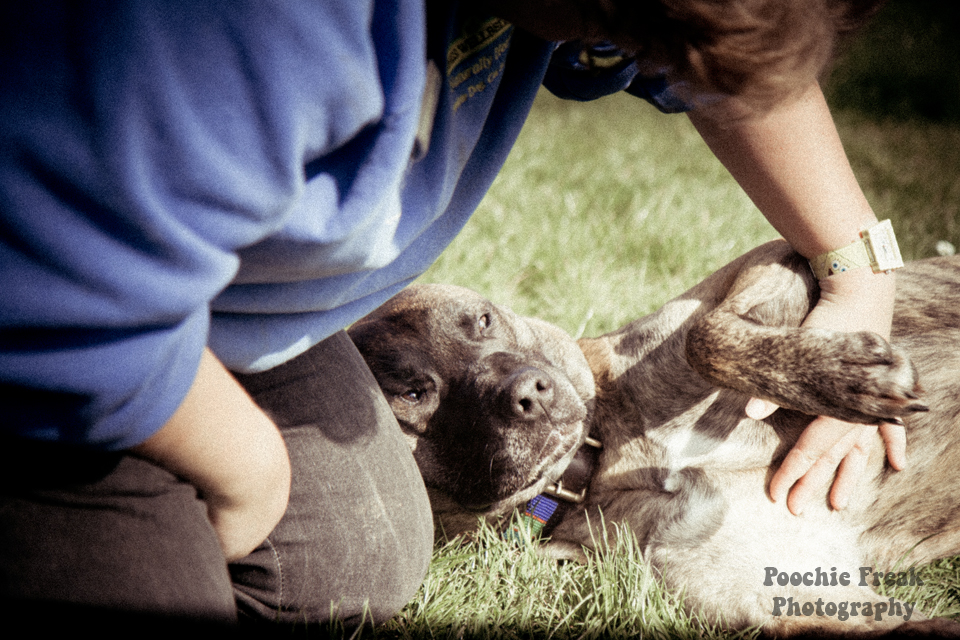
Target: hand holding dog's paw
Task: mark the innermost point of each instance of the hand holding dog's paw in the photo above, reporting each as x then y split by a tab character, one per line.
860	377
866	380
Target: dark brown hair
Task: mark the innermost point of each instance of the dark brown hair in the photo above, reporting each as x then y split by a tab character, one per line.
760	51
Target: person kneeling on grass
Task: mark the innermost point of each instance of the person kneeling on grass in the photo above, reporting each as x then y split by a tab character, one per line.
192	189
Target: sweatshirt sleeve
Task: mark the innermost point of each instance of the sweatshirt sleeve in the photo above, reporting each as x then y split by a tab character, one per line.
141	145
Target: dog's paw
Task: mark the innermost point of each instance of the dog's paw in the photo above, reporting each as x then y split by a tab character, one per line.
867	379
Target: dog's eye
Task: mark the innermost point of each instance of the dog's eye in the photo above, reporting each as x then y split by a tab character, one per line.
413	396
483	322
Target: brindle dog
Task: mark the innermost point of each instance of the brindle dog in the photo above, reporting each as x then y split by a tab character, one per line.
494	405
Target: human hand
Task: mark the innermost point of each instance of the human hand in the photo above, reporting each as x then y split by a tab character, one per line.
826	447
830	449
223	444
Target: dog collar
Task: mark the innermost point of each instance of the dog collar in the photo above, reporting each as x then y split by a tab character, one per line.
572	485
570	490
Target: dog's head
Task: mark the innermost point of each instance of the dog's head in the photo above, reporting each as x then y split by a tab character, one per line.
494	404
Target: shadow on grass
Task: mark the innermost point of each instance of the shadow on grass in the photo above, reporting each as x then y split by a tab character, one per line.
904	65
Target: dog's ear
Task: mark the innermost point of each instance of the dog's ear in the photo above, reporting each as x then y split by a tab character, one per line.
401	369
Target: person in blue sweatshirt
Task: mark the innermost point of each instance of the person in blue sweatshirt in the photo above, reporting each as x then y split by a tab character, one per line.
193	189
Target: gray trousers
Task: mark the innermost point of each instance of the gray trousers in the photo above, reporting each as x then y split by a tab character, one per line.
108	537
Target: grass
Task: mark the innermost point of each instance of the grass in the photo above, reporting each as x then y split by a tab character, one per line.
485	588
606	210
603	211
905	65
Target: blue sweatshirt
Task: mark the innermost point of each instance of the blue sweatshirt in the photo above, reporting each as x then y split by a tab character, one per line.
252	176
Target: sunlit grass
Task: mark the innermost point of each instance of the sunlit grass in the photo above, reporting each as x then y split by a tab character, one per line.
484	587
606	210
602	213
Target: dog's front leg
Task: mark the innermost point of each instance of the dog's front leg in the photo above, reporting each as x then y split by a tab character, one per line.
747	344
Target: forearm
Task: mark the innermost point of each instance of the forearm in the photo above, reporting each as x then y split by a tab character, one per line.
223	444
792	165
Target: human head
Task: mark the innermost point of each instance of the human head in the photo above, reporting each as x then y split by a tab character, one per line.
760	51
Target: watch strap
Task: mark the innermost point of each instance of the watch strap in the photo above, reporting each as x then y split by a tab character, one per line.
876	248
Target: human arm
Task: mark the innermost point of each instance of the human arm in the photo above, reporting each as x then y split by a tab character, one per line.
223	444
792	165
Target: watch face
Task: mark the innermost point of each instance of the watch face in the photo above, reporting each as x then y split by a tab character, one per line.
881	244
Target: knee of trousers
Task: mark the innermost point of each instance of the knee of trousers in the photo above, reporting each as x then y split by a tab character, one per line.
357	535
354	567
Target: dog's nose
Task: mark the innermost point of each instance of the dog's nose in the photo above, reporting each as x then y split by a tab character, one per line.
529	393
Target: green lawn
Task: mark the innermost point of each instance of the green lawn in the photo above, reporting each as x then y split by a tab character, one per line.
602	213
605	210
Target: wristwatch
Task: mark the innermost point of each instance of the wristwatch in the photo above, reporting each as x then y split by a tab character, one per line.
877	248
